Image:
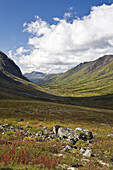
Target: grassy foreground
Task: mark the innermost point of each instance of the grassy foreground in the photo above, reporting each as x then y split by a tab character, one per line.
30	154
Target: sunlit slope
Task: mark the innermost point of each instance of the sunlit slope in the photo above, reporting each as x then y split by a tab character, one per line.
92	79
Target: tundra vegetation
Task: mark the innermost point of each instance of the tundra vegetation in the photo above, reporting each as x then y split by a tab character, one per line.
23	144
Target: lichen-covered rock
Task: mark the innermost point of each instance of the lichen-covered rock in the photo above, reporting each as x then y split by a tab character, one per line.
84	134
73	134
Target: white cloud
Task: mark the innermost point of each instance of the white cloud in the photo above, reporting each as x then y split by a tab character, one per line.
57	47
67	15
21	50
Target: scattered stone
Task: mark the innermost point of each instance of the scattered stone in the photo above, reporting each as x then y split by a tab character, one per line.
103	163
71	168
82	150
59	155
110	135
11	128
88	152
67	147
5	126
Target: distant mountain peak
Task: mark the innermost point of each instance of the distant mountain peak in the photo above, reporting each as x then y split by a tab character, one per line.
35	75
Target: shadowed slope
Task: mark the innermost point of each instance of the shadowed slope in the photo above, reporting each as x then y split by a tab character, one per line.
14	85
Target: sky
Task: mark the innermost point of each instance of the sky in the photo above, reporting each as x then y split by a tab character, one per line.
53	36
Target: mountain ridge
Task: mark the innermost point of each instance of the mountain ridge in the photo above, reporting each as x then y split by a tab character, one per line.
86	79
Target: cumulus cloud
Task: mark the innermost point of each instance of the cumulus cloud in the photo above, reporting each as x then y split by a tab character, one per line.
21	50
57	47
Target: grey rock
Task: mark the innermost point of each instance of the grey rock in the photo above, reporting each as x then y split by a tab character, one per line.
5	126
73	134
1	128
71	168
55	129
88	152
67	147
110	135
82	150
12	128
64	132
84	133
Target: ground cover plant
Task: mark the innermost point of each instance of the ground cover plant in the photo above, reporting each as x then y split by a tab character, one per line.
20	151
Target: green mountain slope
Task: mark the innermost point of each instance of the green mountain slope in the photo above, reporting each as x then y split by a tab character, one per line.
87	79
48	78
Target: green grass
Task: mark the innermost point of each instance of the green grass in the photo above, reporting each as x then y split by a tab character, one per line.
40	114
83	84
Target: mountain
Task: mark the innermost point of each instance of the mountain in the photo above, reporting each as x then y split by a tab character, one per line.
48	78
86	79
14	85
7	66
35	76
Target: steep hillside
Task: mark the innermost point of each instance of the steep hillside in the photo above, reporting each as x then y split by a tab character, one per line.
14	85
7	66
87	79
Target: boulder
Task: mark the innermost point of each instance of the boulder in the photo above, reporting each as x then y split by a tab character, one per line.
84	134
73	134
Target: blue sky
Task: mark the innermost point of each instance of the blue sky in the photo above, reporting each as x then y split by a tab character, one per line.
14	13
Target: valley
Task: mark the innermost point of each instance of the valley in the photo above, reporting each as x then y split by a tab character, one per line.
45	127
87	79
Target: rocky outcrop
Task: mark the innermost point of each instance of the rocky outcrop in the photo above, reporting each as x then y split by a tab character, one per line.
73	134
